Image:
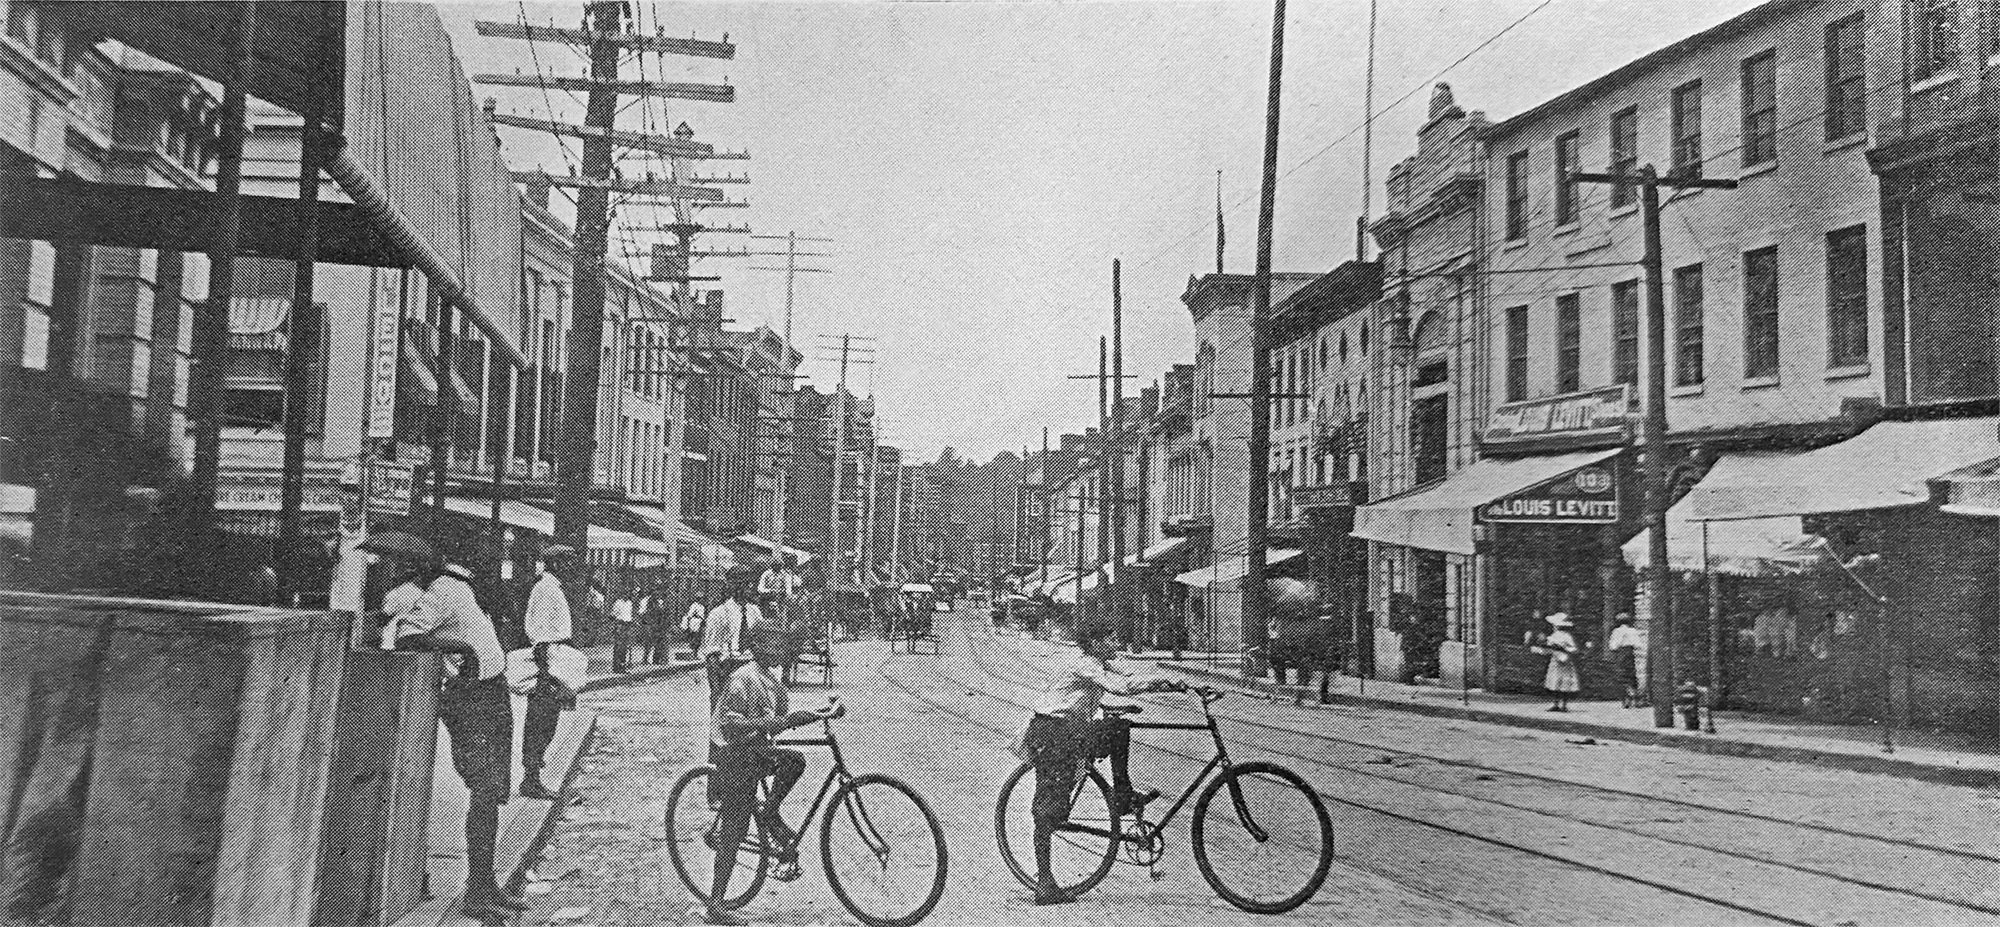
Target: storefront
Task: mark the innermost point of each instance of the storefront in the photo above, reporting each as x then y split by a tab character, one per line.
1473	563
1900	624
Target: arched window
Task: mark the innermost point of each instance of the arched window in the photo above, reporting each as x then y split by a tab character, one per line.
1430	335
1343	346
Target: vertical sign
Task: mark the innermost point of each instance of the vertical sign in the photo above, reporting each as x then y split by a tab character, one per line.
386	330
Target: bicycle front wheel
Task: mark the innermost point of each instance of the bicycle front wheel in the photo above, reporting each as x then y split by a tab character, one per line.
884	851
1266	845
691	824
1081	850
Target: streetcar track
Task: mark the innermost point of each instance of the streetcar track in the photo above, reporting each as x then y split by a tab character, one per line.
1834	830
986	667
1392	877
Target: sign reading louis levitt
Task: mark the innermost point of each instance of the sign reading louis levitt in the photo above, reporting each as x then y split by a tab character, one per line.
1597	413
1587	495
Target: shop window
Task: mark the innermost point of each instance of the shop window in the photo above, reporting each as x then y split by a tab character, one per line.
1687	129
1429	432
1760	108
1625	332
1689	324
1517	353
1760	312
1517	196
1624	153
1934	32
1847	76
1569	343
1847	296
1567	148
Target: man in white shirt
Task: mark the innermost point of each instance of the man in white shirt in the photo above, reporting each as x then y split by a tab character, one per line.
778	582
1624	645
1066	729
547	624
723	630
445	616
622	619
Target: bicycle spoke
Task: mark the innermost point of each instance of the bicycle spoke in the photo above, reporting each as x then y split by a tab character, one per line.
884	854
1264	845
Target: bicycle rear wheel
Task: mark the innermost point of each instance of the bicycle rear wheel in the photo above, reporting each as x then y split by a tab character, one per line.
884	851
1266	846
1082	850
690	827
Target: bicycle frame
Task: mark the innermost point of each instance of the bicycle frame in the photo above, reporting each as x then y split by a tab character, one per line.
1217	763
835	777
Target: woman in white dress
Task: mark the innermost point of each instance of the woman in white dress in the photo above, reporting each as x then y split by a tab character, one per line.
1561	679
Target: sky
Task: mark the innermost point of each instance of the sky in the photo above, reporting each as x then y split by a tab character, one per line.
979	165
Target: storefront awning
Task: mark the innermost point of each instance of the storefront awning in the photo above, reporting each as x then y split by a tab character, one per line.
1230	570
541	521
1756	547
1441	516
1156	551
1887	466
772	546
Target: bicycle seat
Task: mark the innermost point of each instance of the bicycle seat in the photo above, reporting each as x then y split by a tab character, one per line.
1113	711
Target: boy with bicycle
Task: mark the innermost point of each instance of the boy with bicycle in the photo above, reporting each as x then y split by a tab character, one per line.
751	709
1066	731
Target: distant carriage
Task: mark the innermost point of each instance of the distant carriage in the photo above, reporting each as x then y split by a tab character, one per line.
913	626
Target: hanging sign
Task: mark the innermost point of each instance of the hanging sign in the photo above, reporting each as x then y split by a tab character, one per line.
390	487
1584	496
1593	413
386	332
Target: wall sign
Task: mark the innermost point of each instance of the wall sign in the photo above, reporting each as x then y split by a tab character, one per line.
1593	413
1584	496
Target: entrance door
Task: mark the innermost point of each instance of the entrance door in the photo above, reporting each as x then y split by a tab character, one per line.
1427	630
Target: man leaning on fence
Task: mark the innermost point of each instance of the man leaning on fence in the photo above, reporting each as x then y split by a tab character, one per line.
432	607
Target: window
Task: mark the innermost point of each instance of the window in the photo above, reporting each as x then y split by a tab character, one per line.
1625	332
1569	343
1517	353
1687	129
1934	30
1566	165
1846	78
1760	312
1847	296
1760	108
1688	368
1624	153
1517	195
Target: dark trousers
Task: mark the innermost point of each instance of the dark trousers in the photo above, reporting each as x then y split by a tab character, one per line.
621	644
479	717
537	731
1057	747
737	771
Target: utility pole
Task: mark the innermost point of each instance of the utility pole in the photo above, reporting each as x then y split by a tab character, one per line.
302	331
790	409
606	42
849	355
1120	611
896	525
864	541
1255	633
1042	523
1660	663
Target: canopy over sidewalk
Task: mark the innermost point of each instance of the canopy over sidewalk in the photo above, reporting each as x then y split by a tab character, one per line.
1440	517
1887	466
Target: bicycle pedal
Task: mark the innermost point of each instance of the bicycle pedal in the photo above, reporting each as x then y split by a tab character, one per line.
787	872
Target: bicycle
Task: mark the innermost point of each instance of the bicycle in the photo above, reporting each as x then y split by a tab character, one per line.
886	823
1264	824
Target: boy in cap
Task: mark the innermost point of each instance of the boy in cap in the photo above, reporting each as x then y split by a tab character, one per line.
752	709
433	608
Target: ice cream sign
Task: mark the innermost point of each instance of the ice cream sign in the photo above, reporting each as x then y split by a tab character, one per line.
1585	496
1593	413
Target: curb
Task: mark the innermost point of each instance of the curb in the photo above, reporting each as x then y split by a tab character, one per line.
1882	765
531	851
633	678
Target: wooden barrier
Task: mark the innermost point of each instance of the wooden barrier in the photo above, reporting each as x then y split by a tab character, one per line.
170	759
378	800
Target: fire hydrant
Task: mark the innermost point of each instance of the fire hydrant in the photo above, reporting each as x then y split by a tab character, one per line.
1689	699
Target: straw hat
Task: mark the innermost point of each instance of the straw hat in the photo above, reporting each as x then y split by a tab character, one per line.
1560	620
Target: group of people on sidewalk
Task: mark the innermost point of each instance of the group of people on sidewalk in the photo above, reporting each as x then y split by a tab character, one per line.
431	606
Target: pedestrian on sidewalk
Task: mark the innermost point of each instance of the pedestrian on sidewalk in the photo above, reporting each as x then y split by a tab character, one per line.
622	624
1624	646
656	624
723	630
692	622
1561	678
548	624
473	701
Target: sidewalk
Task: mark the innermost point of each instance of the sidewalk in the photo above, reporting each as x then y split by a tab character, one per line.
1935	756
525	823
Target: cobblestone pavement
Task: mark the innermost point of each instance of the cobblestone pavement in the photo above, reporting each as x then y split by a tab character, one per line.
1437	821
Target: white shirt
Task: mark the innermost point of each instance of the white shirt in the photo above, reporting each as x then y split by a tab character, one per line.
449	611
691	622
1077	688
1625	635
779	582
621	610
723	635
548	616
